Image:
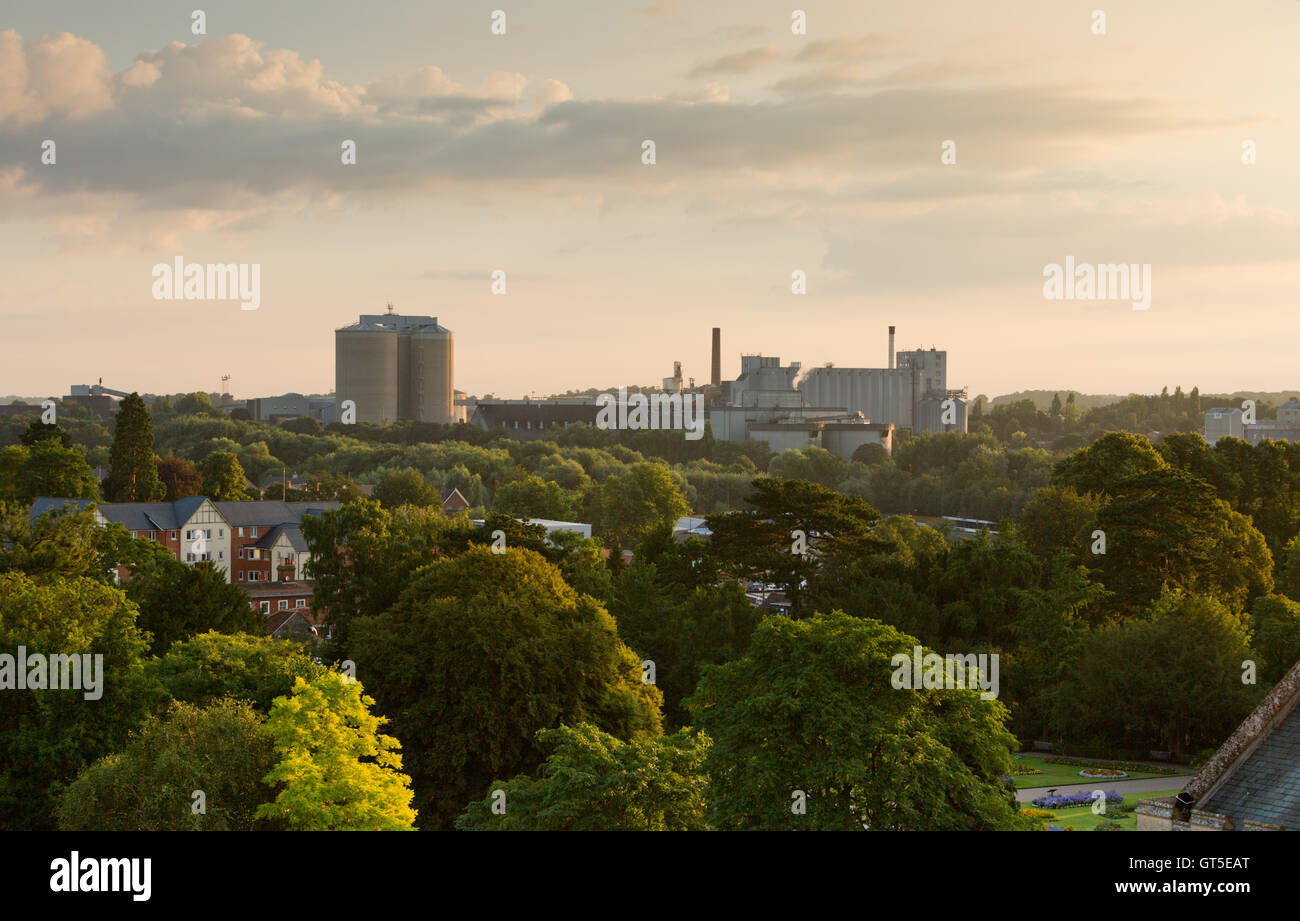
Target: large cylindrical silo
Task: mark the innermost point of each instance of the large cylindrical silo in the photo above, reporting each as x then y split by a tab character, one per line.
432	394
365	371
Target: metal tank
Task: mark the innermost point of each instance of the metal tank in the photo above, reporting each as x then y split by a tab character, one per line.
432	397
365	370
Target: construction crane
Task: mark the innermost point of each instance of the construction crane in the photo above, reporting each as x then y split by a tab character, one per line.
225	388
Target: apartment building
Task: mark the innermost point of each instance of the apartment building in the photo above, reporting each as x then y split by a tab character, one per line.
251	542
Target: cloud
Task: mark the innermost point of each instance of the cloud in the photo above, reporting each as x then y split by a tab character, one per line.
60	75
740	62
852	48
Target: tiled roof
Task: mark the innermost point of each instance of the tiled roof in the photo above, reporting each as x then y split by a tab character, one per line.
134	516
291	531
48	504
270	512
1265	787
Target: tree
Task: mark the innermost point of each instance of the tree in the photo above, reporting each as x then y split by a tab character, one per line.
133	472
212	666
363	556
681	630
593	781
179	477
194	404
481	651
1275	623
811	710
1288	570
38	431
302	425
223	477
763	541
633	503
404	487
336	770
48	736
1108	460
533	497
1165	527
871	454
50	469
332	486
1169	680
1058	520
221	752
179	600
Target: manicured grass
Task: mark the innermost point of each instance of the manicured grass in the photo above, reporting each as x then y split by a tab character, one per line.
1080	818
1062	775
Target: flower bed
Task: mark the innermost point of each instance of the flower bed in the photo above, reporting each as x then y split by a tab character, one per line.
1066	800
1102	773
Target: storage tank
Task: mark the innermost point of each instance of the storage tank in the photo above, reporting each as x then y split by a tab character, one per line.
365	371
432	397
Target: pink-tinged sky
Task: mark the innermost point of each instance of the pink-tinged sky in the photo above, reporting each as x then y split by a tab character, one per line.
775	152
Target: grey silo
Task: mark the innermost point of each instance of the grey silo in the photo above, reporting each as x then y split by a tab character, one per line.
365	370
396	367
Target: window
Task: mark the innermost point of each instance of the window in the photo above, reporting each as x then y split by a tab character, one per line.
283	605
221	554
241	575
174	535
300	603
241	532
221	532
252	532
153	535
266	607
241	553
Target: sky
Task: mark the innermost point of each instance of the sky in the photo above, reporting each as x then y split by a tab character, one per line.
775	152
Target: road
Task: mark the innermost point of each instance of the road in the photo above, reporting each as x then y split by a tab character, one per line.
1149	785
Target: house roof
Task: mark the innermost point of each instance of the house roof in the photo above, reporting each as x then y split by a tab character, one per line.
1255	774
290	531
134	516
48	504
270	512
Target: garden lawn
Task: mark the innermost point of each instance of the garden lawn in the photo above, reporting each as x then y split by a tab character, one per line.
1060	775
1080	818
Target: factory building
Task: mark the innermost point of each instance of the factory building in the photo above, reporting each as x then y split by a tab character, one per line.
395	367
910	392
1225	422
839	409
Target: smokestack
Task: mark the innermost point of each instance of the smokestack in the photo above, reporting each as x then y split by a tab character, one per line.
717	356
891	348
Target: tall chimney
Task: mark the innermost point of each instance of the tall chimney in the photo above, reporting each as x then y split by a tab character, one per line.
717	356
891	348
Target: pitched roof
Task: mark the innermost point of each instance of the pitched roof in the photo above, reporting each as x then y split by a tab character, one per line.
290	531
134	516
1255	774
49	504
270	512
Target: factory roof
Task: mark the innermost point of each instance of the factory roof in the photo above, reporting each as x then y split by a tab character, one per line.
394	322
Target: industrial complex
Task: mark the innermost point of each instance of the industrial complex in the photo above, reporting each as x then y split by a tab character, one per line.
391	367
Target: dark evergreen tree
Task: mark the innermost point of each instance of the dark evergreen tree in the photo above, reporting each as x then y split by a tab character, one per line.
133	475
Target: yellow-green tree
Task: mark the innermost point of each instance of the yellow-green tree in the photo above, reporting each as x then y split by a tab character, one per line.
337	771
